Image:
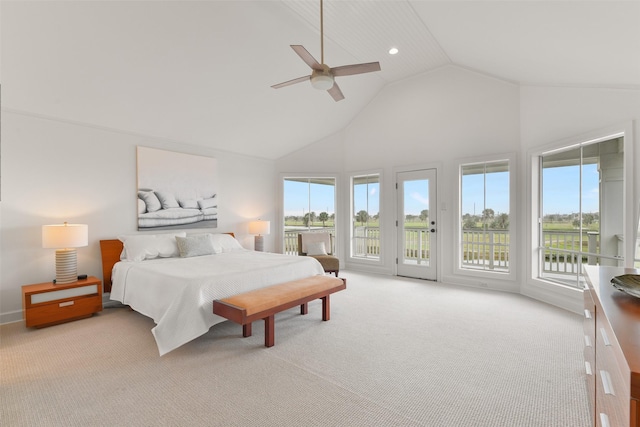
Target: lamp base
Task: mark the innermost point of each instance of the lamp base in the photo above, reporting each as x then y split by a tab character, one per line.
259	243
66	266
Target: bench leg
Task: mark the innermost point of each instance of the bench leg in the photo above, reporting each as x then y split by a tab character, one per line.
246	330
304	309
269	338
325	308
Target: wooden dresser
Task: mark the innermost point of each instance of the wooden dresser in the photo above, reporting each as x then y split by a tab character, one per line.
612	349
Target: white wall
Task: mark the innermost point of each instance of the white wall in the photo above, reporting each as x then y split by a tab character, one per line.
55	171
431	120
438	118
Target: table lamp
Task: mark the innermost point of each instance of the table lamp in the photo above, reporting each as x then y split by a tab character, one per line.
259	228
65	238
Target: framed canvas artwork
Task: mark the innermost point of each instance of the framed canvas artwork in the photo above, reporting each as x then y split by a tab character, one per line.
176	190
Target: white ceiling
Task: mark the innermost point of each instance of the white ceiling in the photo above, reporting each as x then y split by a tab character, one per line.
200	72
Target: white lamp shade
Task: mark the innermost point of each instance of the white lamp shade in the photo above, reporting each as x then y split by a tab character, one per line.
259	227
65	236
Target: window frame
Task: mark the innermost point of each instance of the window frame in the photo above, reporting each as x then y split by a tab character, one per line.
458	268
379	261
336	196
630	217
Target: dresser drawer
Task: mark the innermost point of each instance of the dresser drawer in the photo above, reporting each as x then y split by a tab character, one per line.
612	379
589	324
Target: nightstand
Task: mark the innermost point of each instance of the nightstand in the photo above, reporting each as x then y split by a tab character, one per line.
47	304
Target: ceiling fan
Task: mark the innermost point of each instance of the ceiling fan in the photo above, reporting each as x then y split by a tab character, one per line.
322	76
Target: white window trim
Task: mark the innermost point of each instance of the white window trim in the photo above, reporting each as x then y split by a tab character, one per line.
630	213
280	221
513	220
349	224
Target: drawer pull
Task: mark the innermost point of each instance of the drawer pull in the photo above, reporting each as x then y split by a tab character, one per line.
587	367
587	314
606	383
604	420
605	337
587	341
66	304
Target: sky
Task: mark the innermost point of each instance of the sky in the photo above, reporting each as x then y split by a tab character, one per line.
560	189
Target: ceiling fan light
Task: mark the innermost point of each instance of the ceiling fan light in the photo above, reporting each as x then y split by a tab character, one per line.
322	81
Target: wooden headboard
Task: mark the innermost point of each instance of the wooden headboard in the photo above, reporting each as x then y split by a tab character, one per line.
111	250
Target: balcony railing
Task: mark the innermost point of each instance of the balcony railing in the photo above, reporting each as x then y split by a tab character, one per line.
481	249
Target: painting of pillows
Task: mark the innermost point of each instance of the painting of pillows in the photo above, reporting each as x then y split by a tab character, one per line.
162	209
176	190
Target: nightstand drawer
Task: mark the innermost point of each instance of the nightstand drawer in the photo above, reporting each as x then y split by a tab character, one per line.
47	304
63	294
62	311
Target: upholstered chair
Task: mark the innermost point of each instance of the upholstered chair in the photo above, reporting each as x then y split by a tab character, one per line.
319	246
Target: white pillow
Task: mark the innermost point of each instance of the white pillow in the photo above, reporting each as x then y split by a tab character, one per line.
207	203
316	248
197	245
225	243
151	200
138	247
188	204
167	200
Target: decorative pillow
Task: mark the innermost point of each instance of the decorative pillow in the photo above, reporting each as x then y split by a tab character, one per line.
207	203
151	200
197	245
138	247
167	200
142	206
225	243
316	248
188	204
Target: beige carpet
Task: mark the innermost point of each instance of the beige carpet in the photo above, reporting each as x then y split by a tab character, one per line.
396	352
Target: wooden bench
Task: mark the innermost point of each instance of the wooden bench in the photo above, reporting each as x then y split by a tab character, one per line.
264	303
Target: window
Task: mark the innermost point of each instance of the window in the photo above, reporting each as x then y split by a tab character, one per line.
309	205
365	219
485	240
581	209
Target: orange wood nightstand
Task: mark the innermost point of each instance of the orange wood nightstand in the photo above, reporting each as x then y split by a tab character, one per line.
47	304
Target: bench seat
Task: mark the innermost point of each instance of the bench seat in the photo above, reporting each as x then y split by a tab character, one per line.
264	303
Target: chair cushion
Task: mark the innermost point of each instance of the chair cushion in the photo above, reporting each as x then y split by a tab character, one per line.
328	262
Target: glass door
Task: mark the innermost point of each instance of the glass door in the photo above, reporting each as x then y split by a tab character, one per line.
417	224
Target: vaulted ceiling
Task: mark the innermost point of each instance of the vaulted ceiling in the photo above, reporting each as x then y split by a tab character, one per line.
199	72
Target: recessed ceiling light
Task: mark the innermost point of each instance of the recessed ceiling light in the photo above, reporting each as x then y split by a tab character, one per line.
393	51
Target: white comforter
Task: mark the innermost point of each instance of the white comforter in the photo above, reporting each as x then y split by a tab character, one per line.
178	293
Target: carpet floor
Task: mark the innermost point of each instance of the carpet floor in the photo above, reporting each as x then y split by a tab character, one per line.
396	352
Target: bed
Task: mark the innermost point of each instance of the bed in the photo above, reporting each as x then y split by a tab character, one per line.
176	288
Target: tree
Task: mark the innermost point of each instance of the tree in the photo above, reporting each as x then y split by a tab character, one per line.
323	216
487	214
501	222
309	218
469	223
424	215
362	217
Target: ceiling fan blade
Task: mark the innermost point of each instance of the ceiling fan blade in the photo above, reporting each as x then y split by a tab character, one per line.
349	70
335	92
306	57
291	82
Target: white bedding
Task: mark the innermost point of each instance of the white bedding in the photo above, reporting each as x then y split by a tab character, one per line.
178	293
